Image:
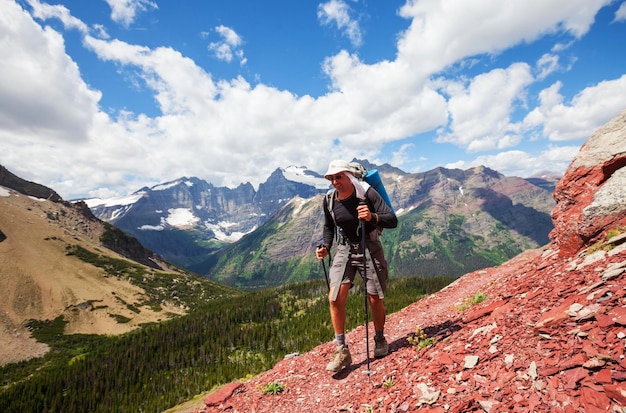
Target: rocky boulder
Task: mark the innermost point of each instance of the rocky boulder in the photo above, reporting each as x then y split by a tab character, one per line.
590	197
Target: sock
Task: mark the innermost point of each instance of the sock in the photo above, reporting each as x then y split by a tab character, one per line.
340	339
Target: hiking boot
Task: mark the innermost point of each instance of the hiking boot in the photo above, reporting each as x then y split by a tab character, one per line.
341	359
382	348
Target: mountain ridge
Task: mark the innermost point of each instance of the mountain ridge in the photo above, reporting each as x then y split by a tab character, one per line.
450	198
450	222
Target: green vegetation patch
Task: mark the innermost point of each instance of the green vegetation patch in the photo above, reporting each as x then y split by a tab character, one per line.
180	289
273	388
477	298
605	244
420	340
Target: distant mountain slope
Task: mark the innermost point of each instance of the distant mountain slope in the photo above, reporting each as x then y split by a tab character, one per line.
56	259
451	221
457	221
187	219
279	251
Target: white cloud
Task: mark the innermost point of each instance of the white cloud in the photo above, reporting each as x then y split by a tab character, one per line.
36	76
524	164
620	14
401	156
125	11
445	31
493	128
46	11
229	46
337	12
592	107
547	64
559	47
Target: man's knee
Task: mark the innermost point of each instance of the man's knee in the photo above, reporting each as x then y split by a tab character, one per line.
376	301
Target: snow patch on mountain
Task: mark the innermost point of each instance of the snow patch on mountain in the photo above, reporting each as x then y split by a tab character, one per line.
111	202
120	211
151	228
168	185
298	204
180	218
302	175
220	230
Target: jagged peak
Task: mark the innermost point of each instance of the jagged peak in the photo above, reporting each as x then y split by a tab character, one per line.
167	185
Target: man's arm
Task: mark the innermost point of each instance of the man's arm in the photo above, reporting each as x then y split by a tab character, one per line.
383	215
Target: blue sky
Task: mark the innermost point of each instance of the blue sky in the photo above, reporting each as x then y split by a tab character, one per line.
101	98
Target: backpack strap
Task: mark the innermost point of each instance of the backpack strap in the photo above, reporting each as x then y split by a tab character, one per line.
330	201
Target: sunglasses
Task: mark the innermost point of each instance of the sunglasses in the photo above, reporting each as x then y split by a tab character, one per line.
335	177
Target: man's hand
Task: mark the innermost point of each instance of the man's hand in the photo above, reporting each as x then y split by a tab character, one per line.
364	212
321	252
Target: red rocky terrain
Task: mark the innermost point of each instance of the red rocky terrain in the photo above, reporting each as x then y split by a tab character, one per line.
549	337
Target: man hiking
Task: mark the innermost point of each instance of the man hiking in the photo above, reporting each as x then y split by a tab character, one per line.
352	204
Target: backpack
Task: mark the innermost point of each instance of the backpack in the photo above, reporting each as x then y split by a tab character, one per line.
357	170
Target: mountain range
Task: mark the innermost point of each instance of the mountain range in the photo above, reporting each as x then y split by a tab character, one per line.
451	221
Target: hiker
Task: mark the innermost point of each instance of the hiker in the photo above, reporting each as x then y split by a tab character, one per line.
353	201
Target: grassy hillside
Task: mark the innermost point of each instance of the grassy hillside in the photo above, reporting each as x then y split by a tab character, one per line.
278	252
56	259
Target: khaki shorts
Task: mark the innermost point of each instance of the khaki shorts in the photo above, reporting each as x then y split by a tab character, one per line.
349	259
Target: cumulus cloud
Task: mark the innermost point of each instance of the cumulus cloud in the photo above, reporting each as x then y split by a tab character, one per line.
125	11
522	163
494	128
442	32
620	14
45	11
37	76
560	120
229	46
547	64
403	157
337	12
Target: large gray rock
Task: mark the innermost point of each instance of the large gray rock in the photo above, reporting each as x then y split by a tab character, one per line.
591	197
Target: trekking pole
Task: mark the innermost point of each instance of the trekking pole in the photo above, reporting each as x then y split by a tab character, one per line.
324	267
367	335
